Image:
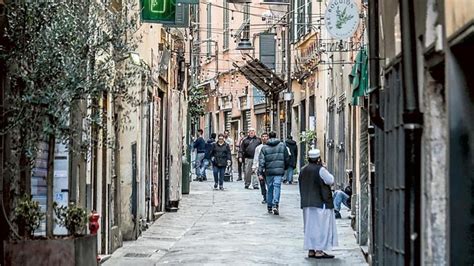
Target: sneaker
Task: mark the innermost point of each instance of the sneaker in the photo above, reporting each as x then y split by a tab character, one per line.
246	187
221	188
284	181
269	209
215	186
256	187
275	211
290	183
337	214
264	201
239	179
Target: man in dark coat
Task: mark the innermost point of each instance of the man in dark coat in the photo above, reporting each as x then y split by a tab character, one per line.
246	155
272	162
207	156
200	147
221	157
291	144
240	164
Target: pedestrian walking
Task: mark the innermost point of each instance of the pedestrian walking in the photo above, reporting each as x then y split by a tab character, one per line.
221	157
320	231
263	187
291	144
228	140
272	162
240	162
246	155
207	156
200	147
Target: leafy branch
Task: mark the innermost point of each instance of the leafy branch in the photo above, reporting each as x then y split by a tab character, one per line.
342	17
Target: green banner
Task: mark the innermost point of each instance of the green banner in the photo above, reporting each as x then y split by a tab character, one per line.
159	11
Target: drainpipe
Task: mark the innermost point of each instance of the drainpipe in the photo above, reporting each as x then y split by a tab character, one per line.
374	64
413	126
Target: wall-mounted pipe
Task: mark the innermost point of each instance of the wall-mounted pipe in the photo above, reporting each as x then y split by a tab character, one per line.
413	125
374	64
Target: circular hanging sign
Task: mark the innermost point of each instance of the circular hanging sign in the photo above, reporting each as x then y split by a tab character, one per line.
342	18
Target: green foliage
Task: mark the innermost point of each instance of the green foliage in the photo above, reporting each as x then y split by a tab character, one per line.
196	103
72	217
28	214
62	54
308	136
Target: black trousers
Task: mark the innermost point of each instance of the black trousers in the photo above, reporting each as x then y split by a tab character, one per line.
240	167
263	188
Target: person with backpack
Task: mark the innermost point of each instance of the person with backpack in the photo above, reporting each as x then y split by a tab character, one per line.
221	158
207	156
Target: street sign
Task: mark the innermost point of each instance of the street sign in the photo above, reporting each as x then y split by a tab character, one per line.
158	11
342	18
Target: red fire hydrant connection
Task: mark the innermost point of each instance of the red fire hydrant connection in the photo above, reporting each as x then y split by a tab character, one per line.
94	222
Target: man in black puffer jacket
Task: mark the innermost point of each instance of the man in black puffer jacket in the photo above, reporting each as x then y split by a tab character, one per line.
273	161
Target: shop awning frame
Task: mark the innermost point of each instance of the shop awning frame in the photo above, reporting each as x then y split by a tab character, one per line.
261	76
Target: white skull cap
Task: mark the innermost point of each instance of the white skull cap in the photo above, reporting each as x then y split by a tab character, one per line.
314	154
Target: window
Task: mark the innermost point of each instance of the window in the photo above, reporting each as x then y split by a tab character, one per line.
300	29
227	118
246	121
309	13
226	25
294	23
209	24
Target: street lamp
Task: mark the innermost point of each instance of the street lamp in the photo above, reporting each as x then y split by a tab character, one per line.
244	43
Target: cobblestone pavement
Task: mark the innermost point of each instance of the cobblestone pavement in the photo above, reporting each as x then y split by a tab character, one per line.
232	227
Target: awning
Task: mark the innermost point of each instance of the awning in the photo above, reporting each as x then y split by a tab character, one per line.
261	76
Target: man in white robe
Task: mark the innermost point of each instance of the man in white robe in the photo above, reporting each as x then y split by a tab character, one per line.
318	208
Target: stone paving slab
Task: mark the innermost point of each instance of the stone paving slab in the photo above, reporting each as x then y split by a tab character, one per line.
232	227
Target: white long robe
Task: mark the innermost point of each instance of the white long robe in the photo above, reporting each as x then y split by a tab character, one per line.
320	232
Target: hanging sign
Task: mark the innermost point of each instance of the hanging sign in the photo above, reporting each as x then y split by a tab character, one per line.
158	11
342	18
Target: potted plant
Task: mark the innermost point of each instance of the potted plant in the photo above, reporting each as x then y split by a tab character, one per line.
72	217
28	216
309	137
76	248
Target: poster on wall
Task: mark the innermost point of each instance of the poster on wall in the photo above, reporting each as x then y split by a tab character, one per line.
342	18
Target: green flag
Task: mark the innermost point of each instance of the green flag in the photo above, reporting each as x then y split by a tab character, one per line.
359	77
159	11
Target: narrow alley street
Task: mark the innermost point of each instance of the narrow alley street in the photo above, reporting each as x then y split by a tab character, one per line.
232	227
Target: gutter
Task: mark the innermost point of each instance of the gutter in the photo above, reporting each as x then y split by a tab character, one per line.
374	65
413	126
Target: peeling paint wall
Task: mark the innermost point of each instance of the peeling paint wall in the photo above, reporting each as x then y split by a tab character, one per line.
434	175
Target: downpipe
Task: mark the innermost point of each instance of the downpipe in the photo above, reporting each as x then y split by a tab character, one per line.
413	127
374	65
